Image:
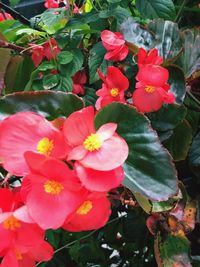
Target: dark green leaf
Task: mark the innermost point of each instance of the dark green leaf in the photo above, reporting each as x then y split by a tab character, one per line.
75	65
167	117
46	65
190	59
50	81
177	83
96	60
179	143
65	57
47	103
194	155
148	169
151	9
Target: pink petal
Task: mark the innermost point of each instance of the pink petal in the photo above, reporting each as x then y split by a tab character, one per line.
77	153
100	181
107	130
111	155
116	79
78	126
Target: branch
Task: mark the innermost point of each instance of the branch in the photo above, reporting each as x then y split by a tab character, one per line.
18	48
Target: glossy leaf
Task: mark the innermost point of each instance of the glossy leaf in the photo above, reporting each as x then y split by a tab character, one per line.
148	169
151	9
167	118
190	59
194	155
179	143
177	83
65	57
49	104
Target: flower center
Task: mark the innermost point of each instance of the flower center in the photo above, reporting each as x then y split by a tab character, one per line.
92	142
45	146
18	255
114	92
11	223
149	89
84	208
53	187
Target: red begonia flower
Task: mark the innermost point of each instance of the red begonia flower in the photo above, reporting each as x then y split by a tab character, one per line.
28	131
51	3
16	224
79	79
150	57
18	256
94	149
92	214
37	54
115	83
100	181
51	49
51	191
115	44
5	16
152	91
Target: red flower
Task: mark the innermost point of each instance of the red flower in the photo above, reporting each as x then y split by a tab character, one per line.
28	131
100	181
79	79
94	149
115	44
51	191
51	49
5	16
37	54
115	83
151	57
152	89
93	213
18	256
16	224
51	3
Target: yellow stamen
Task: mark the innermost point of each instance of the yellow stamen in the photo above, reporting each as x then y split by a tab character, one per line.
114	92
11	223
53	187
18	255
84	208
92	142
149	89
45	146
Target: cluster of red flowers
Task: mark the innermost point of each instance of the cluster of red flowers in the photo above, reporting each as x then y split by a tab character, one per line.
56	4
152	90
66	173
48	50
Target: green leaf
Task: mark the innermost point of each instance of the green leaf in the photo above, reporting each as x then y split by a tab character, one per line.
119	13
167	118
65	84
137	35
96	61
75	65
46	65
194	155
65	57
190	58
179	143
90	97
50	81
47	103
149	169
173	250
151	9
177	83
168	39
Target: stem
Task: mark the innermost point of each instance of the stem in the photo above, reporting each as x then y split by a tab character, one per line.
13	46
84	237
180	11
